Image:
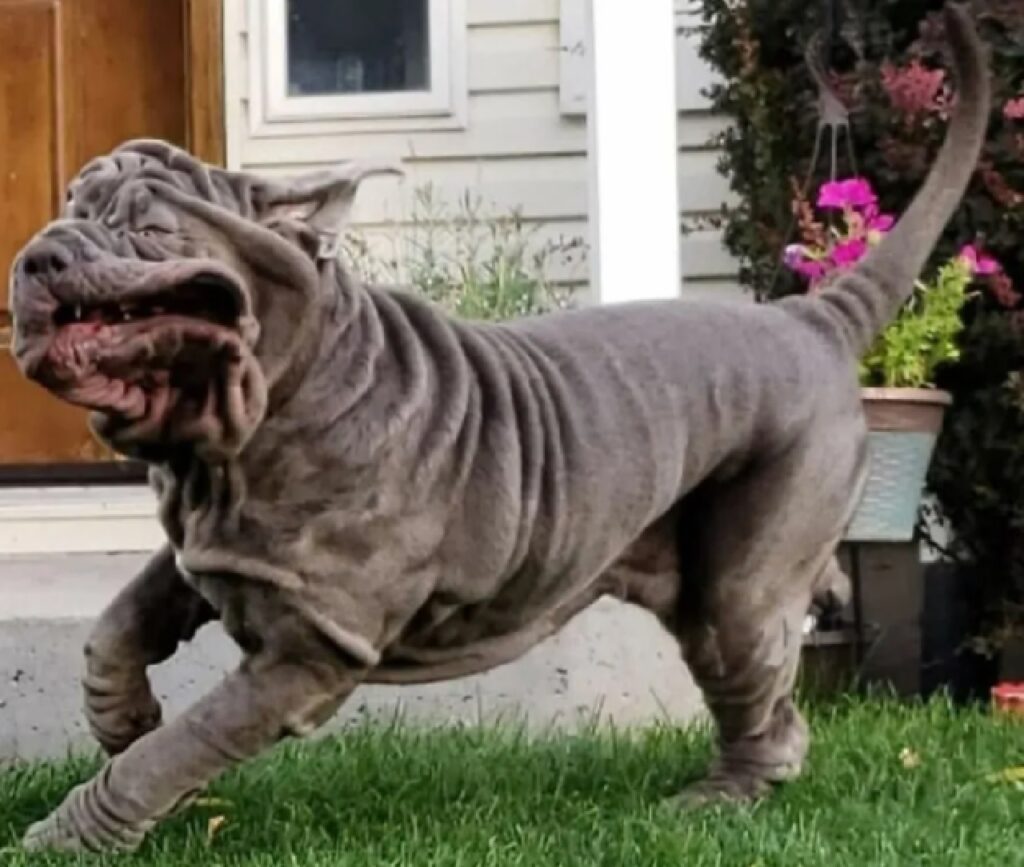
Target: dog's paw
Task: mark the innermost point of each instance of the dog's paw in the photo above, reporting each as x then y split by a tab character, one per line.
70	830
720	791
51	835
118	721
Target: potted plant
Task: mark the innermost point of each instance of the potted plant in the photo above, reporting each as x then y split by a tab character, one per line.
903	407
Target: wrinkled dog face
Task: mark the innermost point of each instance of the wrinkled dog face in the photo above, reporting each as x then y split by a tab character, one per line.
122	308
167	298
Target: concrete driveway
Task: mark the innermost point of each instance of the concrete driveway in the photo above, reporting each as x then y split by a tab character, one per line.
613	660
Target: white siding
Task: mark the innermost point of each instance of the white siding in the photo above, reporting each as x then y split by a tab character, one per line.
518	147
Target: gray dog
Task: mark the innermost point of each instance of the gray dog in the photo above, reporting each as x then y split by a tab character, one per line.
364	490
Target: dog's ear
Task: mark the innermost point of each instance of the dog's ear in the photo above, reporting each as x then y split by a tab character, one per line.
323	199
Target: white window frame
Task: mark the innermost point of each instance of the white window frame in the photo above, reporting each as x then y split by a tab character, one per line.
273	111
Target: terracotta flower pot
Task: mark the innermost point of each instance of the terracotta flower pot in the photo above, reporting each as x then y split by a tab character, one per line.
903	425
1009	698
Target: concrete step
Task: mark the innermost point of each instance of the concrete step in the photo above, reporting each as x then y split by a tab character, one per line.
613	661
69	519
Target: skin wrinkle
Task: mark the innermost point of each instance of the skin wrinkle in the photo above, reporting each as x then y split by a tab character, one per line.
365	490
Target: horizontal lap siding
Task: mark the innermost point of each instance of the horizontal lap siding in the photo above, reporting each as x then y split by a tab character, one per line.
518	151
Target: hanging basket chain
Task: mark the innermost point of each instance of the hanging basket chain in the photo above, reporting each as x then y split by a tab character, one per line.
833	114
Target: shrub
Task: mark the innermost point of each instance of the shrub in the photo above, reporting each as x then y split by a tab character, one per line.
888	70
473	262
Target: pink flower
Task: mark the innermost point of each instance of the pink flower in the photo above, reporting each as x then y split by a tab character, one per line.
1001	287
979	263
794	255
869	223
881	223
812	270
1014	109
849	252
862	225
847	193
801	260
914	89
878	225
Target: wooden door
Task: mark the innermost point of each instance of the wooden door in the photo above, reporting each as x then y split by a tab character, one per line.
77	77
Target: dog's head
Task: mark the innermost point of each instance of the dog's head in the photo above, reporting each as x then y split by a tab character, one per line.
171	296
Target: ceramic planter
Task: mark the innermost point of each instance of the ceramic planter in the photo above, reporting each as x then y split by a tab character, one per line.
903	426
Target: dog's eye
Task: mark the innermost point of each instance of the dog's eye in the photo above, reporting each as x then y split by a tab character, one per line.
154	219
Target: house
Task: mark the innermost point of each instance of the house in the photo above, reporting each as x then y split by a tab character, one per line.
485	96
488	97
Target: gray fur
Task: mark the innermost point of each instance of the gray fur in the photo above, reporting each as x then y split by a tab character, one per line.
363	489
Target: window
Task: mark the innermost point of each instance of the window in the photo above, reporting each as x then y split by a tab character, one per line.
350	46
356	59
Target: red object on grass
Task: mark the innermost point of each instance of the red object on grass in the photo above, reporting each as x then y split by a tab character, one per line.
1009	697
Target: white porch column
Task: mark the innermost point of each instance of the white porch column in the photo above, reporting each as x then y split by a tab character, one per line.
633	153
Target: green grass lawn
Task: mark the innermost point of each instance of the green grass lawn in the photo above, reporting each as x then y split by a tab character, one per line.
886	785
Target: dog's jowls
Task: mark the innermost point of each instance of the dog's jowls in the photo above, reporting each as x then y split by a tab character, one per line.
363	489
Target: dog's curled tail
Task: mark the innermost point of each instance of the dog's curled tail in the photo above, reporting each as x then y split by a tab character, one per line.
864	300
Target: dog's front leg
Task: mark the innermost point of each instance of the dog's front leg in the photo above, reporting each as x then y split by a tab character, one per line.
280	691
142	626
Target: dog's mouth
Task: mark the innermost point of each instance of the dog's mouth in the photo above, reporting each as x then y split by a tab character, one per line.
204	298
154	354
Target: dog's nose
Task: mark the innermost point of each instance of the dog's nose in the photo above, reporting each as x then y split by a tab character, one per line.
44	259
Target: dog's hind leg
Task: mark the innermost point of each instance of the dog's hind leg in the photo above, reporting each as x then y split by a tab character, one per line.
754	556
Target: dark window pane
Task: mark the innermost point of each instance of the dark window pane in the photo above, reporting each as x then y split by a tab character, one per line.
357	46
